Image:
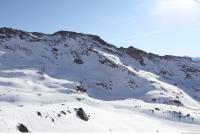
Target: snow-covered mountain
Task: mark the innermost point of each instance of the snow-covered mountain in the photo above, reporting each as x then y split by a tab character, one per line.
74	82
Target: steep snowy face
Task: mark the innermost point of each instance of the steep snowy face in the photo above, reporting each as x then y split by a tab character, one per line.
67	62
181	72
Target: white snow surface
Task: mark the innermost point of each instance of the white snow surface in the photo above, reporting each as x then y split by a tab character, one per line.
42	73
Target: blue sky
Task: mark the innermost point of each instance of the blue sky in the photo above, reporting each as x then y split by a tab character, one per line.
158	26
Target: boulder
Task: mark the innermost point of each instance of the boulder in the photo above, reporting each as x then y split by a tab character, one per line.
82	115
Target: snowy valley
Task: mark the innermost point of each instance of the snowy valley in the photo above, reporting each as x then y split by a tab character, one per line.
74	82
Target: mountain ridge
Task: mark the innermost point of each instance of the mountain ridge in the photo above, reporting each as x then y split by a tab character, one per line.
6	30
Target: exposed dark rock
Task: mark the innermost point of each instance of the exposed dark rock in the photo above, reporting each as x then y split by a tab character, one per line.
188	115
139	55
63	112
154	99
13	33
67	33
82	115
22	128
39	94
107	86
101	41
38	34
189	71
39	114
173	102
80	99
76	57
54	49
108	62
78	61
52	119
177	114
176	102
152	111
80	89
20	105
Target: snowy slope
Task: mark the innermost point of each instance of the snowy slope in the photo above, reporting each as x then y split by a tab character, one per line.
197	60
54	74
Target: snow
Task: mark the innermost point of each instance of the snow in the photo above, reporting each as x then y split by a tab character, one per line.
39	74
